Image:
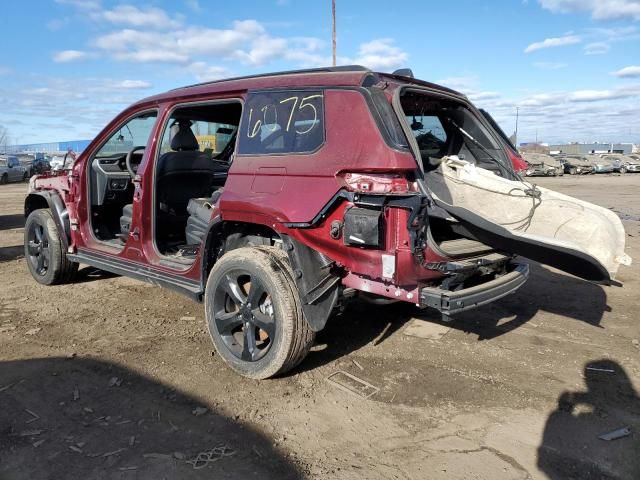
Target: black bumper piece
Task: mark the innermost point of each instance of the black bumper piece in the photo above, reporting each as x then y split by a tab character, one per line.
451	302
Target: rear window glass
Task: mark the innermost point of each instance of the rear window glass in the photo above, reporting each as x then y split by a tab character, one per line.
282	122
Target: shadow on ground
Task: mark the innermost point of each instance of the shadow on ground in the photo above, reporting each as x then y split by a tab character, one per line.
13	252
570	446
7	222
545	290
81	418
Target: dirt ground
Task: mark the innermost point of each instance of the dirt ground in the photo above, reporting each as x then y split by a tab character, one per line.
113	378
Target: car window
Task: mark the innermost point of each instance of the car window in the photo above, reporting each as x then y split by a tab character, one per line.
282	122
3	162
212	137
133	133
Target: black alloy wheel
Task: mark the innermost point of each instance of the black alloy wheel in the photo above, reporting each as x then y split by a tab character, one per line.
244	317
38	251
254	312
45	252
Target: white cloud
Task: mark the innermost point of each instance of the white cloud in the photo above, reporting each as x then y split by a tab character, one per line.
550	65
482	96
133	84
66	56
133	16
553	42
207	73
381	54
596	48
599	9
632	71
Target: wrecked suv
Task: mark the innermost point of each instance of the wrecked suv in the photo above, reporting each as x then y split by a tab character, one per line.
275	198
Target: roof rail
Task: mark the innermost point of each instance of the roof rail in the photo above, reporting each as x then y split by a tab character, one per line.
341	68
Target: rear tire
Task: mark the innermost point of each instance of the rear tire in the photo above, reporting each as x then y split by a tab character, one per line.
25	177
623	169
254	313
4	179
44	252
573	171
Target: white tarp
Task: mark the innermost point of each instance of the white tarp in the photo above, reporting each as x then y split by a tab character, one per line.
531	212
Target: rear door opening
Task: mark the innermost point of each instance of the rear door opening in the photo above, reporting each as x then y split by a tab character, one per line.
468	175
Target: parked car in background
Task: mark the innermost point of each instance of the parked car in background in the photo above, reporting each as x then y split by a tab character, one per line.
34	164
633	165
575	164
603	165
12	171
623	163
541	164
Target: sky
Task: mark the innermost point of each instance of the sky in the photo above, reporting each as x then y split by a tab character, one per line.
570	67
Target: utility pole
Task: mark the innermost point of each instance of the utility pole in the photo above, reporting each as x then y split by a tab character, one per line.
333	34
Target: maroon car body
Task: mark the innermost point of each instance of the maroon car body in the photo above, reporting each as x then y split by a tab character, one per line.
304	202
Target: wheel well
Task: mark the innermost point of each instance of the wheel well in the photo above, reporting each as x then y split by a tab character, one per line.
226	236
34	202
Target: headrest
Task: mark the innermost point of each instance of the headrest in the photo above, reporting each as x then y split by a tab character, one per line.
184	139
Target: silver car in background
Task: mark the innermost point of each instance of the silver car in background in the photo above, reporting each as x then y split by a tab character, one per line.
12	171
541	164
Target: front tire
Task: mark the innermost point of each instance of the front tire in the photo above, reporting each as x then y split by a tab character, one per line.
44	252
4	179
254	313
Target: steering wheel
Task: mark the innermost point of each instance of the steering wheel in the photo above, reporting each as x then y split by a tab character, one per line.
127	161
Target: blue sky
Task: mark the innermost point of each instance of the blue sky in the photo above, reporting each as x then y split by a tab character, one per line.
571	66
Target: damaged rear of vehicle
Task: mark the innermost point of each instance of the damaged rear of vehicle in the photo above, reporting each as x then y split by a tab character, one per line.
479	213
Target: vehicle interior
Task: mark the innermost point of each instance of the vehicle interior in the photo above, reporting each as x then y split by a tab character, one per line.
111	172
444	127
194	155
197	148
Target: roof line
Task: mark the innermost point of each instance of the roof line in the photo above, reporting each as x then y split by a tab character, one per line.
341	68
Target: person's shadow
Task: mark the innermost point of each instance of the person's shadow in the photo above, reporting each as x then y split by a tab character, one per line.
570	446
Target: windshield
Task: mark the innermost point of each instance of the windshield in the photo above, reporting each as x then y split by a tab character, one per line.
134	133
444	127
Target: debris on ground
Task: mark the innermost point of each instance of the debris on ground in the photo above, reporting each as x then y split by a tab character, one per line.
157	456
33	414
114	452
357	364
616	434
76	394
199	411
115	382
379	338
33	331
203	459
352	384
596	369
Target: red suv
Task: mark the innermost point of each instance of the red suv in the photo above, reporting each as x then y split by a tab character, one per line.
275	198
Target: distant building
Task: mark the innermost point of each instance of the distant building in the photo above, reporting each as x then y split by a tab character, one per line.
51	147
585	148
